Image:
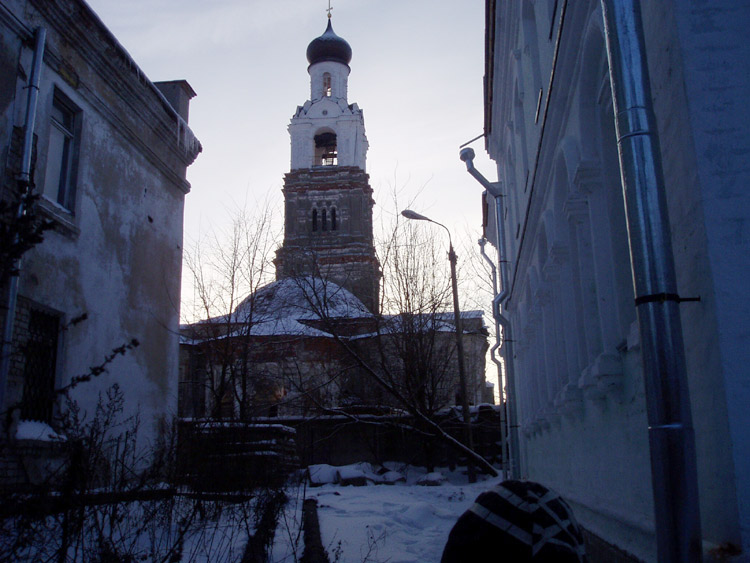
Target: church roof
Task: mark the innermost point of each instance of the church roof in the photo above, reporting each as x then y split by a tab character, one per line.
298	306
303	306
329	47
306	298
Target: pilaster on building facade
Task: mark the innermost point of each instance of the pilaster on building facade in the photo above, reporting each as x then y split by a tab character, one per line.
327	196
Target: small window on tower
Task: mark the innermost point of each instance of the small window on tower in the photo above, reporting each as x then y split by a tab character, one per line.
324	223
315	220
327	84
333	219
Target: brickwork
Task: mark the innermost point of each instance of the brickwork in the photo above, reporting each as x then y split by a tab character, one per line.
28	463
14	390
313	245
298	375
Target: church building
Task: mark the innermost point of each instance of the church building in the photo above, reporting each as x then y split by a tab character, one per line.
328	199
287	349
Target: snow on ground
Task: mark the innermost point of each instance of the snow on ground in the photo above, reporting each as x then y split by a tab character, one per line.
399	523
35	430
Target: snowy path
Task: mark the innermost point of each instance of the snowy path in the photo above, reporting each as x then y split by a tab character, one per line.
398	523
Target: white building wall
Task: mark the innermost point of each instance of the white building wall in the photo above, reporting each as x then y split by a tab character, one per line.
339	80
327	114
715	53
581	401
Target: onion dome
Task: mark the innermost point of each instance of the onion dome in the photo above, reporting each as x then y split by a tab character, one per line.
329	47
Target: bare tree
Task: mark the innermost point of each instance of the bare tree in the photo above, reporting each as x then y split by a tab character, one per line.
106	498
408	360
226	270
340	359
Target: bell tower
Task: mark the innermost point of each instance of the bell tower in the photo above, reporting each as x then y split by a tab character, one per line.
327	196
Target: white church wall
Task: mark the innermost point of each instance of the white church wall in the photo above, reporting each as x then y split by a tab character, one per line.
328	115
339	74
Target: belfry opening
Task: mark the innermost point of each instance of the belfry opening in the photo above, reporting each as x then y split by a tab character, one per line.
325	149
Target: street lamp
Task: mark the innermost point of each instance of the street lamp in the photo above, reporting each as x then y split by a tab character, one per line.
409	214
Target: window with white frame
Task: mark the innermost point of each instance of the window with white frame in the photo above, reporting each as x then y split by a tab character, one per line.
62	151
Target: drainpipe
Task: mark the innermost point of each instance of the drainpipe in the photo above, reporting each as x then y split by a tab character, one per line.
671	435
498	363
24	181
467	155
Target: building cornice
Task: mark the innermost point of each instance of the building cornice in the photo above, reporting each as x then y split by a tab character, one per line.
77	26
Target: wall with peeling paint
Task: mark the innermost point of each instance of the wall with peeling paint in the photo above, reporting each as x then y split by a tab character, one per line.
115	254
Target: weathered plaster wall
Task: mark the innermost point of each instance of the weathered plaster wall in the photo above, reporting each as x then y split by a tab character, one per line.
115	256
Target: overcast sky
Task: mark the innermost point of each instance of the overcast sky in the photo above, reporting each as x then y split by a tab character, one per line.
416	72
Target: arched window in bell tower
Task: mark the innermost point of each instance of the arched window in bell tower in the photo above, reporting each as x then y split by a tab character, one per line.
323	221
327	84
333	219
325	149
314	219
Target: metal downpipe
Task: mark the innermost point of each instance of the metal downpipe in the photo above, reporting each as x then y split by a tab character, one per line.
467	155
671	435
24	180
510	375
495	360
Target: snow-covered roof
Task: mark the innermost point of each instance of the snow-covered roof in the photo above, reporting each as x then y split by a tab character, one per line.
302	306
424	322
288	306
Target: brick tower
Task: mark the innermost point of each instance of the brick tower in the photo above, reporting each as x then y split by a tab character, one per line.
327	196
